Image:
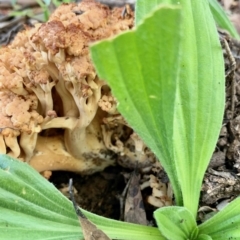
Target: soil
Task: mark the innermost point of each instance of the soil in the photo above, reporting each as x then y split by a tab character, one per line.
97	193
100	193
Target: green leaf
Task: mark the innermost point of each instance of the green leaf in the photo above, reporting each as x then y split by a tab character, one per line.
170	90
45	9
143	8
26	12
204	237
141	66
123	230
41	4
47	2
200	99
225	224
176	223
32	208
222	19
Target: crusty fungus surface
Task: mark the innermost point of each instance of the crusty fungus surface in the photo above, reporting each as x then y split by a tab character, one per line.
55	113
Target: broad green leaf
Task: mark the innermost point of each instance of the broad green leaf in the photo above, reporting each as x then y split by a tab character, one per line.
170	90
225	224
141	66
176	223
222	19
204	237
143	8
32	208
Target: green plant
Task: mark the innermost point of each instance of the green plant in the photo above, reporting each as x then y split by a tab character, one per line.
32	208
168	77
222	19
176	97
176	88
45	7
44	4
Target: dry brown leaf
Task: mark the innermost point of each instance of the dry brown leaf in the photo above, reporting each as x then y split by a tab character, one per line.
89	229
134	208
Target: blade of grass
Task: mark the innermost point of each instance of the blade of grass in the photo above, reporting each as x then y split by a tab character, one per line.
222	19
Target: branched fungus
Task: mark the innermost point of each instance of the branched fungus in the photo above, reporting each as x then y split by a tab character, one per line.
55	111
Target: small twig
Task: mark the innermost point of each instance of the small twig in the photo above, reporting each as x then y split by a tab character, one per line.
77	209
231	72
117	3
17	20
230	57
122	199
126	11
